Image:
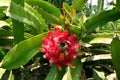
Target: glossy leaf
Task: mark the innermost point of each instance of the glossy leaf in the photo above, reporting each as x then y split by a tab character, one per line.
18	27
27	15
48	17
99	38
115	53
45	6
67	10
67	7
21	53
11	76
55	73
43	26
5	2
79	4
7	75
3	23
18	30
98	75
74	73
2	71
101	19
78	29
111	76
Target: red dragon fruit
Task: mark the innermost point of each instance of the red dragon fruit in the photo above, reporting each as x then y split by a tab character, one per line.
60	48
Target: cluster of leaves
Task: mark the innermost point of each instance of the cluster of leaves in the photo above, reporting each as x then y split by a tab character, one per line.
24	23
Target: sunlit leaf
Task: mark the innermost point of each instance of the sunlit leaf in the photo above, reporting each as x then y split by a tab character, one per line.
3	23
67	7
21	53
98	75
2	71
46	6
11	77
79	4
27	15
111	76
5	2
101	19
98	38
18	27
67	10
48	17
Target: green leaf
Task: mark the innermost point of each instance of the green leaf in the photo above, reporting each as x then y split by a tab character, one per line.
3	23
2	9
43	26
18	27
5	76
1	54
19	2
18	30
67	7
5	33
115	53
118	4
111	76
21	53
5	2
11	77
100	6
79	4
101	19
74	73
2	71
48	17
98	75
2	15
27	15
68	11
78	29
45	6
99	38
55	73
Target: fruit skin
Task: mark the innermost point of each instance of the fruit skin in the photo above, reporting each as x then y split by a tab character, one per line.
60	48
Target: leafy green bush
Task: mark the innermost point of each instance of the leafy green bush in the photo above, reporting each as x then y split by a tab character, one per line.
24	24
